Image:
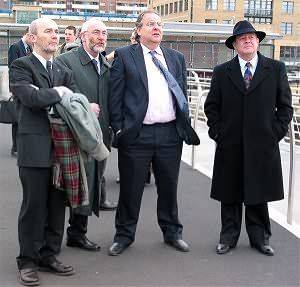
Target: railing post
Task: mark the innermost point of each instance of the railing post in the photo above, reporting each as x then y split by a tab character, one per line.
291	174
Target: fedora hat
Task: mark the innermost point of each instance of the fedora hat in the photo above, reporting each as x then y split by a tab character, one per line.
243	27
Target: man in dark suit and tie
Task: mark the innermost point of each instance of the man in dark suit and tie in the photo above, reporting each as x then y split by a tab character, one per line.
15	51
248	110
149	115
38	83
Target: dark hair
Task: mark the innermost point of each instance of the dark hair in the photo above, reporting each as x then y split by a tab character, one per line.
138	22
135	36
71	28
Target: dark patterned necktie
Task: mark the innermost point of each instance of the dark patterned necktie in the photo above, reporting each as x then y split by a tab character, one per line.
247	75
95	63
173	85
49	69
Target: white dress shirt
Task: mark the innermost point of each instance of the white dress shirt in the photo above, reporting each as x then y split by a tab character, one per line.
42	60
253	65
97	59
161	108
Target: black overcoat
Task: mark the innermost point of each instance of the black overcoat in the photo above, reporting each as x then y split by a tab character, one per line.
247	126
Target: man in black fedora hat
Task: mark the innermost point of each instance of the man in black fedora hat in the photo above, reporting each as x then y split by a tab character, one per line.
248	110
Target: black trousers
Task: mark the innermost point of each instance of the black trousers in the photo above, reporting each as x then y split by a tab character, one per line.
14	131
41	218
257	222
160	145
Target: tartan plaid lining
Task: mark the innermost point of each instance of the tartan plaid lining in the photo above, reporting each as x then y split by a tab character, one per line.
69	172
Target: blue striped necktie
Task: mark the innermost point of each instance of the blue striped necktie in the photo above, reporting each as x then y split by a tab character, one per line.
173	85
247	75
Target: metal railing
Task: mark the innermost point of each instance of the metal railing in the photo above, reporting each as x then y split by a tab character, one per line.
197	91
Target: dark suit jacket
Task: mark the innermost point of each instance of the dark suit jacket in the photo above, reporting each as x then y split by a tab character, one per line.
34	141
129	98
247	126
15	51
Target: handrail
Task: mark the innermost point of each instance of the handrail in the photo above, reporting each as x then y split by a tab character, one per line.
291	175
196	117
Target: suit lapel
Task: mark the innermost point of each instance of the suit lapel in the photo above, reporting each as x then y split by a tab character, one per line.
138	57
261	71
22	47
235	74
56	73
169	61
40	68
104	65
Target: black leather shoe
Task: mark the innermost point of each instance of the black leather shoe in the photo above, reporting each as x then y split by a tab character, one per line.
108	205
264	249
178	244
56	267
83	243
117	248
29	277
223	248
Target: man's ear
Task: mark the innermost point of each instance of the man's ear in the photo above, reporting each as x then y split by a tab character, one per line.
32	38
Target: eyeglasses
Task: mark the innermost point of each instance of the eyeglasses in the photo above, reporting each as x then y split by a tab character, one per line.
99	32
152	24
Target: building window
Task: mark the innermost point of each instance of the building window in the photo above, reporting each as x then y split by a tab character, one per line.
211	4
171	8
288	7
166	9
158	9
162	12
290	54
286	28
261	11
186	5
180	6
211	21
229	5
227	21
298	29
175	7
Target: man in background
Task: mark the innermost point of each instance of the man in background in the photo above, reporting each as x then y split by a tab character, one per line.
17	50
70	38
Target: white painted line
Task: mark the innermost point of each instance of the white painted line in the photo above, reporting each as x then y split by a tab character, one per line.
274	214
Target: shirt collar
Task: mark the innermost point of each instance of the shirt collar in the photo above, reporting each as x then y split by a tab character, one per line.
24	43
253	62
93	58
42	59
147	50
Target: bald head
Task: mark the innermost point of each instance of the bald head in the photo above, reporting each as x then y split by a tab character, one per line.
44	36
38	23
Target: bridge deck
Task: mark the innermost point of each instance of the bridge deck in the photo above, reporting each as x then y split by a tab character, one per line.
148	262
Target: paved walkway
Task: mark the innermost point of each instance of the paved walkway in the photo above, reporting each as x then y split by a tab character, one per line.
149	262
